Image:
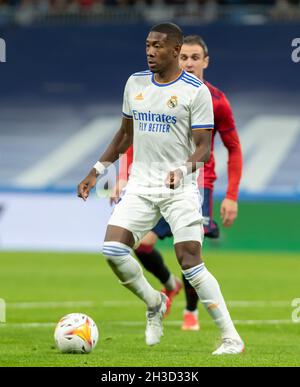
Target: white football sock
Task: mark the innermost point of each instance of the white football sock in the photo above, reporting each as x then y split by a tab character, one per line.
130	272
210	295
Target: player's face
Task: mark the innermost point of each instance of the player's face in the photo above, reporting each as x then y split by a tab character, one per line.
193	60
160	52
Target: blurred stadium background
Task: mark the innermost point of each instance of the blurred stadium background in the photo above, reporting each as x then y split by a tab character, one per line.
60	102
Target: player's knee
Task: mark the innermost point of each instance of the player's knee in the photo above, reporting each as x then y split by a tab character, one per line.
188	256
115	251
188	261
149	239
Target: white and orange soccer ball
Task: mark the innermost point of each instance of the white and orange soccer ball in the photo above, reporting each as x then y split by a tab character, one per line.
76	333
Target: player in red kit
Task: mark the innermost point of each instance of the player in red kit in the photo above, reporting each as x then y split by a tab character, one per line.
194	59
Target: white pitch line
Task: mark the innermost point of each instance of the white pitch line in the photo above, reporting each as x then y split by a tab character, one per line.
28	325
142	323
263	322
119	303
50	304
259	304
68	154
232	304
237	322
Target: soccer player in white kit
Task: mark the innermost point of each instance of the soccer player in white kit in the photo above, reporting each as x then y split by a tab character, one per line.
168	117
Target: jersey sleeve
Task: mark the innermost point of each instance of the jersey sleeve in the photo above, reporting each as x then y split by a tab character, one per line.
235	162
126	109
202	116
224	120
225	125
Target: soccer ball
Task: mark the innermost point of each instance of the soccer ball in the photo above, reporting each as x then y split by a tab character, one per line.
76	333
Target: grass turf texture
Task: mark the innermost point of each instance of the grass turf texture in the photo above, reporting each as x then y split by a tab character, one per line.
120	316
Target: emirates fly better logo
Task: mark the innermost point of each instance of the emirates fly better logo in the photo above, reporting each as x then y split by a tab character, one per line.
2	51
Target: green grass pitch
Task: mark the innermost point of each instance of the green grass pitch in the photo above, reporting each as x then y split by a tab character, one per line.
39	288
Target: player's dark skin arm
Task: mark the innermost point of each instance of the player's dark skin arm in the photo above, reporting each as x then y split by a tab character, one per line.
202	139
120	143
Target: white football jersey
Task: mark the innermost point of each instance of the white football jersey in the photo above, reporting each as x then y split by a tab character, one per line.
164	116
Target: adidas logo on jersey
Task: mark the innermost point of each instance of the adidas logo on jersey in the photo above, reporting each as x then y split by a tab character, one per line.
139	97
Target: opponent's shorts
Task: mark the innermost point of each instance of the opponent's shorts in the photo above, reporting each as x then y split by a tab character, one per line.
140	213
211	229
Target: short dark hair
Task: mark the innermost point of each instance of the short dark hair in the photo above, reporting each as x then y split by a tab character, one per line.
172	30
196	39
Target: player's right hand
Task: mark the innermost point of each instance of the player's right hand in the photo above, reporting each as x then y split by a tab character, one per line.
86	185
173	179
228	212
116	191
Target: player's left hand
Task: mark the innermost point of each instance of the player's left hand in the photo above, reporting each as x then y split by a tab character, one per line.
174	178
229	211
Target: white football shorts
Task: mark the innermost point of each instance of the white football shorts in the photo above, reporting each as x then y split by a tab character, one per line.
140	213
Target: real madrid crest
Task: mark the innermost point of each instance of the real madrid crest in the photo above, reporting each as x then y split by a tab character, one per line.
172	102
